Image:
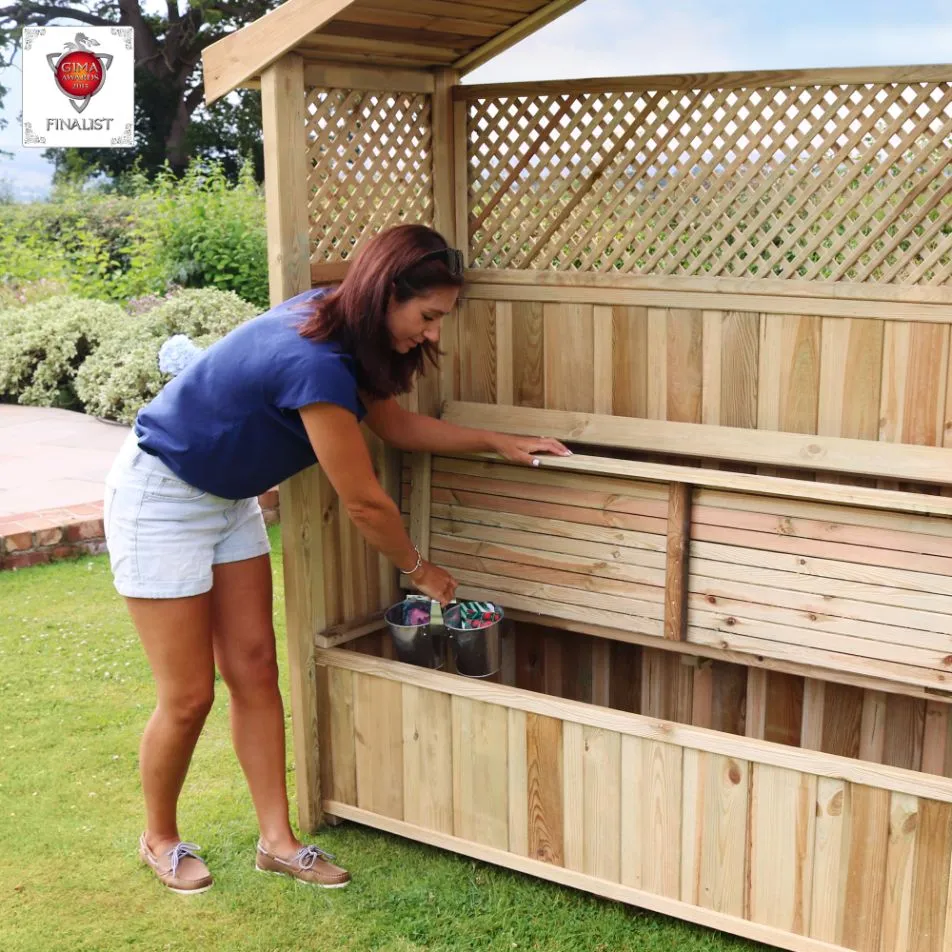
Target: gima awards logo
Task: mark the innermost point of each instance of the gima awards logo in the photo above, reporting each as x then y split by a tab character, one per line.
89	70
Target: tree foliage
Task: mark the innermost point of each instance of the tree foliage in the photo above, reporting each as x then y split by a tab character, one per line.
172	123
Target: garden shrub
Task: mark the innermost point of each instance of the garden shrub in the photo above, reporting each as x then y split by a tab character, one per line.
42	346
123	374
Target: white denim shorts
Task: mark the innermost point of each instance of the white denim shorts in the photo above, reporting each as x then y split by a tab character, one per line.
164	535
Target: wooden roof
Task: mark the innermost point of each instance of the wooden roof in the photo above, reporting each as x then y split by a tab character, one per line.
412	34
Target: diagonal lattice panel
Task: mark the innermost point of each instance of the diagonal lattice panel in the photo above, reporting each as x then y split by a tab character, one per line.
369	163
844	181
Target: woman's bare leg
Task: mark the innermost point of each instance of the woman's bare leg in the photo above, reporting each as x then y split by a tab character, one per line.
177	637
245	654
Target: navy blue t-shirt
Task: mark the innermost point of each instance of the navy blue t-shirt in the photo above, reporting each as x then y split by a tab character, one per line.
229	423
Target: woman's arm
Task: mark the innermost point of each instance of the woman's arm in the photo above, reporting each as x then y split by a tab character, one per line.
416	432
339	445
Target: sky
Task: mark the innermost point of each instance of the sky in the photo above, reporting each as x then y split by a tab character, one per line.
644	37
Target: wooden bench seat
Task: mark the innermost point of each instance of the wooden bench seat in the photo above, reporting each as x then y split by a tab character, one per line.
850	583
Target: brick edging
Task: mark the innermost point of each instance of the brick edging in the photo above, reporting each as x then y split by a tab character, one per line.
35	538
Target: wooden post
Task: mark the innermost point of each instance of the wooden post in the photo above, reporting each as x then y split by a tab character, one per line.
282	112
676	565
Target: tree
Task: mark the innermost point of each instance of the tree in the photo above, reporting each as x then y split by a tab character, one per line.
172	123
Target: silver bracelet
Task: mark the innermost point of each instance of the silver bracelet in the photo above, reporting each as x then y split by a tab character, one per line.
419	563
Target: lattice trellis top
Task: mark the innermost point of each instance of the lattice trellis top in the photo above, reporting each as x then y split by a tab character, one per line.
369	166
833	182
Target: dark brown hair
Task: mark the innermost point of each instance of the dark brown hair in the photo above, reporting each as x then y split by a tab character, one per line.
354	314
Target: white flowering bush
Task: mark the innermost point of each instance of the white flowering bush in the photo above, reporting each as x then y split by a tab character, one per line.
43	345
126	372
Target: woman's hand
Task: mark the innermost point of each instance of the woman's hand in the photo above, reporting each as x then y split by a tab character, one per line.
435	582
519	449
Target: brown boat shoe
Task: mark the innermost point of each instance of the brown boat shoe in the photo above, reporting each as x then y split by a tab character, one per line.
310	864
181	869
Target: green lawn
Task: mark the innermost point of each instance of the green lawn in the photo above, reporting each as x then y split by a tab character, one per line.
74	694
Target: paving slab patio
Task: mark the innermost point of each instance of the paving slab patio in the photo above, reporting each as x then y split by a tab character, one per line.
53	460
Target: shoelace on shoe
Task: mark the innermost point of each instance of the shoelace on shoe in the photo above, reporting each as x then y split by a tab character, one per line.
307	856
179	852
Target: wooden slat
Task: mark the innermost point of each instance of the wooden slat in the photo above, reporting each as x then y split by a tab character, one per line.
518	772
919	304
875	776
866	875
427	759
480	772
740	79
340	698
929	918
714	832
820	298
349	76
826	454
651	776
782	831
900	859
618	892
545	783
247	52
420	502
830	860
378	729
676	567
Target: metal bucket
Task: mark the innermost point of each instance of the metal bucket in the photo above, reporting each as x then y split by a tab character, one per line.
477	652
422	644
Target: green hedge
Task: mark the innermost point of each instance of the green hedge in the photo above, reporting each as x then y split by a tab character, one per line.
100	358
199	231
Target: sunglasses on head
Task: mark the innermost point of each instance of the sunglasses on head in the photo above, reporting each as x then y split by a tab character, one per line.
451	257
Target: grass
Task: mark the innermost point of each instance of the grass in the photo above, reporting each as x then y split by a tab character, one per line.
75	692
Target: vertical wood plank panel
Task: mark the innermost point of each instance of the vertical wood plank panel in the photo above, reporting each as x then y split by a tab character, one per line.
850	378
569	357
830	860
630	361
934	738
656	394
651	815
427	759
905	725
684	365
915	376
477	352
900	854
866	877
814	704
602	810
714	834
603	361
573	795
782	834
872	732
789	373
378	729
528	374
740	360
505	354
480	772
930	883
712	361
756	721
676	564
624	690
784	714
545	788
518	784
343	756
842	718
